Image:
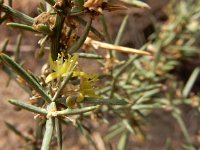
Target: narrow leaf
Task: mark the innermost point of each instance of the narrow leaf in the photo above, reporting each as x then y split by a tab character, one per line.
16	131
105	29
46	143
128	125
82	39
86	134
182	126
101	101
89	56
191	82
21	26
58	133
20	71
17	47
28	107
13	76
4	46
123	141
121	30
17	14
95	31
69	112
113	134
146	106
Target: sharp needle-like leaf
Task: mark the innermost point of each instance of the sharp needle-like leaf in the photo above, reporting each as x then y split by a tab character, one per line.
69	112
102	101
28	107
82	39
46	143
22	26
58	128
17	14
20	71
191	82
123	141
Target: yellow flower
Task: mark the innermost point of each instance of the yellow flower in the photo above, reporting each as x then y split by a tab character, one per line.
87	88
61	66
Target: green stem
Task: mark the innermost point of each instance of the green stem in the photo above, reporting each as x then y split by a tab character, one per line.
55	39
60	89
82	39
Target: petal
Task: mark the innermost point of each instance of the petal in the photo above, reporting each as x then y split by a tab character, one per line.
53	64
86	87
52	76
80	97
90	93
64	68
73	61
75	73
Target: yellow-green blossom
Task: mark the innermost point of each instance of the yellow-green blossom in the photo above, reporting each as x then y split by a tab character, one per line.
61	66
86	85
71	101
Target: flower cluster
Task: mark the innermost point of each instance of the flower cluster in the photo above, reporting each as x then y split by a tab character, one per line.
62	67
87	82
